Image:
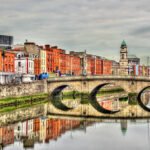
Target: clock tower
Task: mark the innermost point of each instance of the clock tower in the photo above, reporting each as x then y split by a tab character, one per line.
123	59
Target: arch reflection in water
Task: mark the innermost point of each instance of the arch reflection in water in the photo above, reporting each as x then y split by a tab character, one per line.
65	98
144	99
108	98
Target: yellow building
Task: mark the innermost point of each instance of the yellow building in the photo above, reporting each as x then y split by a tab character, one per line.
43	61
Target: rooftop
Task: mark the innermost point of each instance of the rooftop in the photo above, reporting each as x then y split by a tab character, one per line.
132	56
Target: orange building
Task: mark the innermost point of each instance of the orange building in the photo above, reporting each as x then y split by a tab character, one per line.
49	59
75	65
56	54
94	65
7	61
89	65
68	64
37	66
106	67
63	63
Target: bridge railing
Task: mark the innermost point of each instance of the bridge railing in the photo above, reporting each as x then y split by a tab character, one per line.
99	77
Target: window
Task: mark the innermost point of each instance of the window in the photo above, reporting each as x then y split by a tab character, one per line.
122	56
19	64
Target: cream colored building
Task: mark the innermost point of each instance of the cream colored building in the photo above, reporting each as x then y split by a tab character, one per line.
43	60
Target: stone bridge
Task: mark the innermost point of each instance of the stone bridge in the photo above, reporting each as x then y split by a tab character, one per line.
89	84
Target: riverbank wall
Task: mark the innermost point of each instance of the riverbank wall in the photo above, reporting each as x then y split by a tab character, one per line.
23	89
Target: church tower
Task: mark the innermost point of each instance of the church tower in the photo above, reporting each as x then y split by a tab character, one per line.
123	59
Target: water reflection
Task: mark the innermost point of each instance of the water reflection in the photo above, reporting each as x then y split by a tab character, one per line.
65	98
110	97
40	130
124	125
37	133
145	97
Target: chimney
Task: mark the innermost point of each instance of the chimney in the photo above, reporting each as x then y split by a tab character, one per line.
47	46
54	47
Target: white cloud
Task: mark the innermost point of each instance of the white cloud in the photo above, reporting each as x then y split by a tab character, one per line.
96	25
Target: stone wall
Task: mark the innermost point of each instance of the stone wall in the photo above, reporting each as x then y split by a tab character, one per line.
23	89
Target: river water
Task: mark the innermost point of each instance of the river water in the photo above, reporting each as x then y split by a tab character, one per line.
46	133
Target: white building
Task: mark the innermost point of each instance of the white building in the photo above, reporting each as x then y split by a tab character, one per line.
24	66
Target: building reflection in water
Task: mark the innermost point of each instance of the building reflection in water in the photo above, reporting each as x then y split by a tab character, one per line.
40	130
124	126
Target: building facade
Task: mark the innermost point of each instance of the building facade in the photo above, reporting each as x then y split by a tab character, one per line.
43	65
24	64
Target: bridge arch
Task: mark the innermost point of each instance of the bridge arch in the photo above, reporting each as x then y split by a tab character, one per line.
139	99
94	102
56	98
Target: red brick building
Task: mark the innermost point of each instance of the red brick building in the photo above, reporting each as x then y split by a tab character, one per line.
56	54
68	63
75	65
62	66
37	66
89	65
106	67
96	65
49	59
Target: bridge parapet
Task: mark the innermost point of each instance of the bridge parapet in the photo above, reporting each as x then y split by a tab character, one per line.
131	84
102	77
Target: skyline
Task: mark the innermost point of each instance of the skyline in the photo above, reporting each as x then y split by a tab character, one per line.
97	26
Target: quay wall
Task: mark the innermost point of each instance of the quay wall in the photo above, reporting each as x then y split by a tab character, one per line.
23	89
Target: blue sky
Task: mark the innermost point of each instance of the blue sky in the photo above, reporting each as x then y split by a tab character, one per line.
99	26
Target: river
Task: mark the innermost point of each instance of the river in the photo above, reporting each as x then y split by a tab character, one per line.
44	133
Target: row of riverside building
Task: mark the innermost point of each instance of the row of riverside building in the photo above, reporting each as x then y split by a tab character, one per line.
30	60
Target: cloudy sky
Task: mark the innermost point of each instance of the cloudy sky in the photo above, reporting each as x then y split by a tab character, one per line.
99	26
